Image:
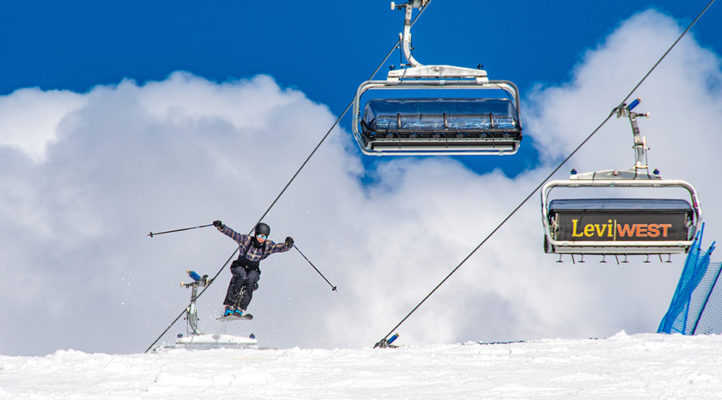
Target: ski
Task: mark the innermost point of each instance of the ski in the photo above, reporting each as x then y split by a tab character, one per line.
234	317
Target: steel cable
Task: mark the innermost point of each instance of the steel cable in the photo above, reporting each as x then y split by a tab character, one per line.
383	341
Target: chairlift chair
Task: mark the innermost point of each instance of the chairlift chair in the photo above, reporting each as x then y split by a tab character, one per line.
618	225
436	125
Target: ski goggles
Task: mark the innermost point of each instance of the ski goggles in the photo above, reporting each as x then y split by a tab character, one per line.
261	236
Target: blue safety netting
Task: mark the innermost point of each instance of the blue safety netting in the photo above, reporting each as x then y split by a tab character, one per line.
708	318
697	301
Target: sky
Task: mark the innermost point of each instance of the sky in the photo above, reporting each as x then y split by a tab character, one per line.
121	119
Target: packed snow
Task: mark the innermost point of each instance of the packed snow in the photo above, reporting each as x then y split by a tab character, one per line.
641	366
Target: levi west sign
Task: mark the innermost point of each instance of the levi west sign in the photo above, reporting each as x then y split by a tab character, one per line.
621	227
608	221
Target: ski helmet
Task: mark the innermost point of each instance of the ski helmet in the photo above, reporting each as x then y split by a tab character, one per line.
263	229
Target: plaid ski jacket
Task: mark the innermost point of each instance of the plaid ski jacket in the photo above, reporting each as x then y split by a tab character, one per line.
250	252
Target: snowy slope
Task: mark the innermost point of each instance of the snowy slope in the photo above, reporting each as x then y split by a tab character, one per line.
645	366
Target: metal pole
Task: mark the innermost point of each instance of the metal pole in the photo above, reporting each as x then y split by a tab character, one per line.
178	230
333	288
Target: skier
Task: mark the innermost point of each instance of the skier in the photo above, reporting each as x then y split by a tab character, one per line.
246	272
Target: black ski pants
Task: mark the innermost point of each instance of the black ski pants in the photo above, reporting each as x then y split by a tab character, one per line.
242	278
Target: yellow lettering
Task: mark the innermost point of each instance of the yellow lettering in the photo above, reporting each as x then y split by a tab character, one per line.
612	229
574	228
600	229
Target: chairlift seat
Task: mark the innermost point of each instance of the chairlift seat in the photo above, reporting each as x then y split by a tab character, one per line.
436	124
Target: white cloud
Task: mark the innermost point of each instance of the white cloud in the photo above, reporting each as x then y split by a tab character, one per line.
123	160
31	119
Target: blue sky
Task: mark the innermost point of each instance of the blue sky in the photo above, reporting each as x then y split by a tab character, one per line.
102	140
325	49
322	49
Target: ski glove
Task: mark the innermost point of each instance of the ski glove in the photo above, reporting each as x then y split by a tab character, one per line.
289	241
218	224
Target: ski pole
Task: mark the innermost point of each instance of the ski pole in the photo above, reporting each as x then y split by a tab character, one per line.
179	230
333	288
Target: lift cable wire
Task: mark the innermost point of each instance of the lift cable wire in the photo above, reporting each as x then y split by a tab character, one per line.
313	152
383	342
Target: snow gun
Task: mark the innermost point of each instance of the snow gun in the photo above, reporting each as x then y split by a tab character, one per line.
197	280
384	343
192	309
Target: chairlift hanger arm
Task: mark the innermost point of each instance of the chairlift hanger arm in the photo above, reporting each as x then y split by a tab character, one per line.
417	70
640	142
406	36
